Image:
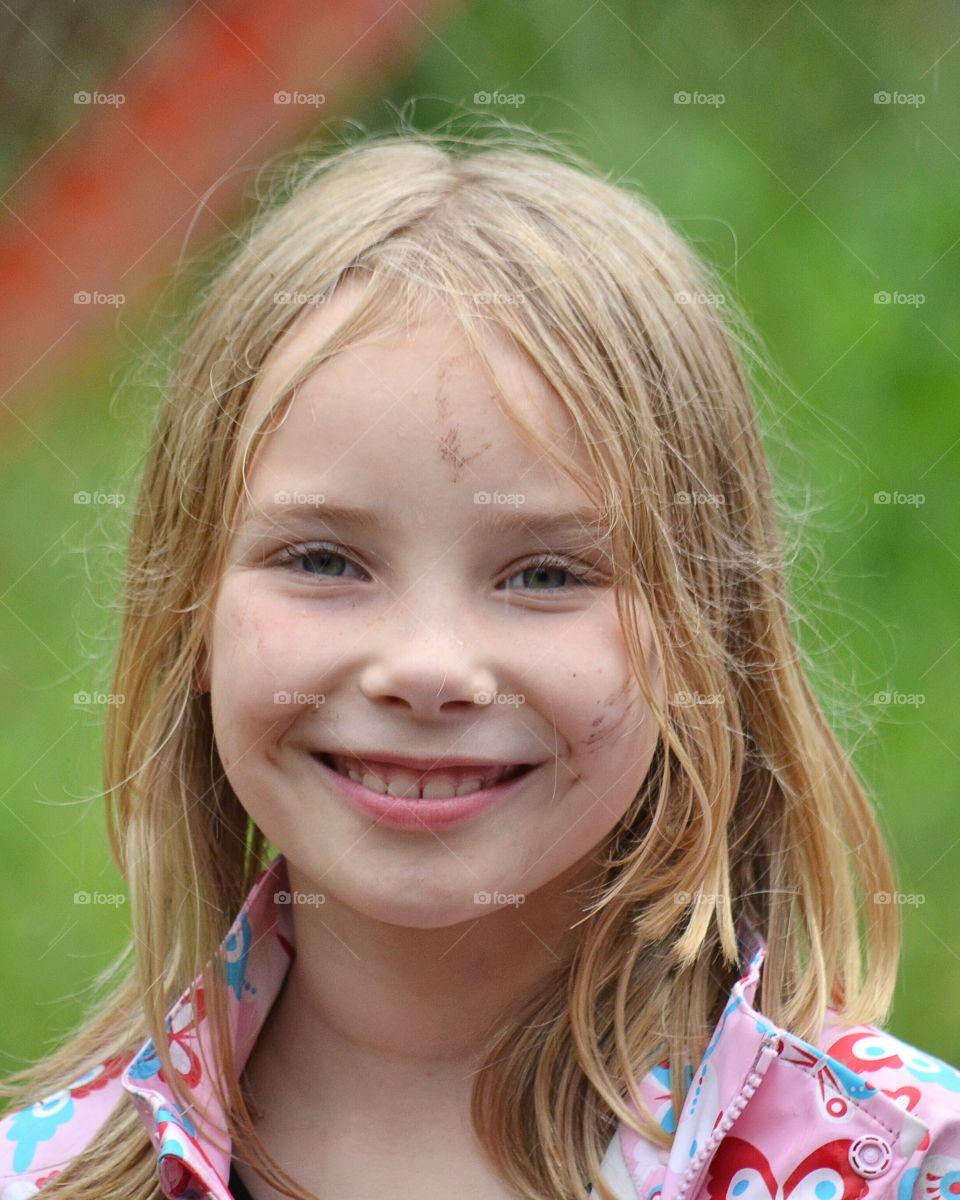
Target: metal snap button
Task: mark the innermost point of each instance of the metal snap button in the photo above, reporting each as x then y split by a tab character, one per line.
870	1156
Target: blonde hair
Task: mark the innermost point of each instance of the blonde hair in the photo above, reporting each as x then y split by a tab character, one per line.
751	808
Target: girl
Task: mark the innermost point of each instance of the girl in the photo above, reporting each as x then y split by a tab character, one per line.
468	775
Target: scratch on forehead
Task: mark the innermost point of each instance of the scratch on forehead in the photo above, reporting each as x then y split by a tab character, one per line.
451	450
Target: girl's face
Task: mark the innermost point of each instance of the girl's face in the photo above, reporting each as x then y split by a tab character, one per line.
450	617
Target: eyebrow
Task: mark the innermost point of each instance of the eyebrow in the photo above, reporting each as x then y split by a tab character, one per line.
497	518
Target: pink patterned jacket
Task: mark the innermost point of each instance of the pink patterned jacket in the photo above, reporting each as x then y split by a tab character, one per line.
858	1116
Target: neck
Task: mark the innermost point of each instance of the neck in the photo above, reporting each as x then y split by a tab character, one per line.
373	1014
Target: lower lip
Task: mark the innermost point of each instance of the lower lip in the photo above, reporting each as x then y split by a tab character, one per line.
404	813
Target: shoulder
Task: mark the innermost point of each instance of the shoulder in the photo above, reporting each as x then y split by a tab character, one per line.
921	1085
36	1142
853	1114
918	1081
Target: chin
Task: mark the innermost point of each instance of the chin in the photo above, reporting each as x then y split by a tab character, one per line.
440	912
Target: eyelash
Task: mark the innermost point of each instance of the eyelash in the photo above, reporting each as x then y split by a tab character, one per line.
294	554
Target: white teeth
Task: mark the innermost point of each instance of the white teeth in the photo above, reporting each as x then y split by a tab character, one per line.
406	786
403	785
436	789
437	786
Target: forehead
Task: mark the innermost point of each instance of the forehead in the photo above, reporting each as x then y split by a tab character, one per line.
424	381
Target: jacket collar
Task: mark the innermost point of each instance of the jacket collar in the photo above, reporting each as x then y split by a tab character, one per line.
810	1097
194	1148
193	1153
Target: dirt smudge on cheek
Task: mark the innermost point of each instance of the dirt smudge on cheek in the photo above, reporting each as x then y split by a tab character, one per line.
609	724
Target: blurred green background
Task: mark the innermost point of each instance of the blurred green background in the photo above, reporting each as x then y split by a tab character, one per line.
811	196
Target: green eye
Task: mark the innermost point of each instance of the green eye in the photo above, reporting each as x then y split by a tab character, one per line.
327	561
539	572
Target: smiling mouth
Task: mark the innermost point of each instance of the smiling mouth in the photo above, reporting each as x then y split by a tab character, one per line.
438	784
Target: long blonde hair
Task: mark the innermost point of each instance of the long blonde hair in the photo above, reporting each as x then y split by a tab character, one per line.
751	808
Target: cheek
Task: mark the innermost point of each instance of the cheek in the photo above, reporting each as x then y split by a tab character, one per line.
252	638
252	653
594	687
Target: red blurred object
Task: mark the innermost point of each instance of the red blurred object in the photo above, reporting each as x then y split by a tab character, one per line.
102	214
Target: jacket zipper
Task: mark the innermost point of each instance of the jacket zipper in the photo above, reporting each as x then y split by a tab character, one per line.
768	1051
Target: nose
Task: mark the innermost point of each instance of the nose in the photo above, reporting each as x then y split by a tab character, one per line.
428	669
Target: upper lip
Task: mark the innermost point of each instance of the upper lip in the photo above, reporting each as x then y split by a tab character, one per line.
424	764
